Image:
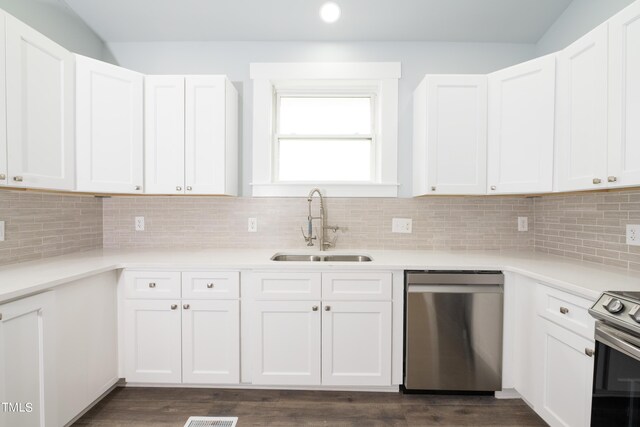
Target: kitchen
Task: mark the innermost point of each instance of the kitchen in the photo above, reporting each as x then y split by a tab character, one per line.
312	213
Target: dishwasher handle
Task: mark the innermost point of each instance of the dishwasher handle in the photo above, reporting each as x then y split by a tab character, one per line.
454	289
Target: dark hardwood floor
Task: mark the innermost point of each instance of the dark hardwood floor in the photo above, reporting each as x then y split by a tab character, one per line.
172	406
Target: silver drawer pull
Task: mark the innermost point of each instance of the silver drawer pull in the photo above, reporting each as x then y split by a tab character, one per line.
138	188
327	308
189	188
589	352
17	178
314	308
597	181
564	310
174	306
612	179
493	187
186	306
433	188
178	188
152	285
209	285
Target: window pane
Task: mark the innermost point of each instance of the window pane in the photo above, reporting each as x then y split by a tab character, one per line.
325	160
325	116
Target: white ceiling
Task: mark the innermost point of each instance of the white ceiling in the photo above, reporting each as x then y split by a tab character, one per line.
517	21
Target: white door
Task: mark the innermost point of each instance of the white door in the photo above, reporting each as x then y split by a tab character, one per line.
581	115
27	362
286	342
624	97
210	342
152	341
205	143
521	128
567	377
3	106
456	132
40	113
356	343
164	134
109	127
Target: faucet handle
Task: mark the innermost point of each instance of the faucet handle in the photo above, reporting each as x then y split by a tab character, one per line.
309	239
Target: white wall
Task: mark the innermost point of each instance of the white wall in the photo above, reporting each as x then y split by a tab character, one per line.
233	59
60	24
580	17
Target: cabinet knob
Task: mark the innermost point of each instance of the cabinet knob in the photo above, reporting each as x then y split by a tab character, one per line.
597	181
327	308
189	188
17	178
589	352
493	188
152	285
138	188
612	179
3	176
433	188
174	306
178	188
186	306
209	285
314	308
564	310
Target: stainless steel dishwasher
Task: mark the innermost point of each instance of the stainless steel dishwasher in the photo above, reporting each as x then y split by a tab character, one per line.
453	331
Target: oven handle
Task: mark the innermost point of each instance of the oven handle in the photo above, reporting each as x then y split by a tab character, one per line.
618	340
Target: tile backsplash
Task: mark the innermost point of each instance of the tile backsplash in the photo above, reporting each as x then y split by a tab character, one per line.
589	227
41	225
438	222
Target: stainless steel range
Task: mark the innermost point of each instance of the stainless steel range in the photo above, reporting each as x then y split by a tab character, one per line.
616	381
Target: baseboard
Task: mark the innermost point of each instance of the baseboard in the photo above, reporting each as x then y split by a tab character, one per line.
508	393
119	383
378	389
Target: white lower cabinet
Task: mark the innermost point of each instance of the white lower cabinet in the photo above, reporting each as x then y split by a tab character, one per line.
356	343
27	362
567	377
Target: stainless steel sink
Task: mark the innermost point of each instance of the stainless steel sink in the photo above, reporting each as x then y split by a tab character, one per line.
321	258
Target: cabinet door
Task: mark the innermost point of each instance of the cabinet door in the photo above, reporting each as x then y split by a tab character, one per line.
581	116
624	97
27	362
152	341
356	343
521	127
40	113
164	134
456	132
567	377
205	126
109	127
3	106
286	342
210	342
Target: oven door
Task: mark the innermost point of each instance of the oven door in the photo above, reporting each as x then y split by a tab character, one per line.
616	379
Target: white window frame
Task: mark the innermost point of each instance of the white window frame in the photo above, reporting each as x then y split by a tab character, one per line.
378	80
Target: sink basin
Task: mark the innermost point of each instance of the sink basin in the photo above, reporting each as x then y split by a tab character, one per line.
321	258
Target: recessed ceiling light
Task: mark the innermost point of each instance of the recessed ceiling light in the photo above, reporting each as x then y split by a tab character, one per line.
330	12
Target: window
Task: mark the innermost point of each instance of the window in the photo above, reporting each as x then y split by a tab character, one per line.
324	138
327	125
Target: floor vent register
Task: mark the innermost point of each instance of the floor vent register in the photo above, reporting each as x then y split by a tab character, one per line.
211	422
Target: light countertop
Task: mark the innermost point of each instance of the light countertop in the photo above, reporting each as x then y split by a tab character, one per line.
580	278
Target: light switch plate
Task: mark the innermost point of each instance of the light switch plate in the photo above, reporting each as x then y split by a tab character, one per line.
633	234
252	226
523	223
1	231
401	225
139	223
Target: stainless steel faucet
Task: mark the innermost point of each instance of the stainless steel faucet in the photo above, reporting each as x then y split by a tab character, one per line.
309	237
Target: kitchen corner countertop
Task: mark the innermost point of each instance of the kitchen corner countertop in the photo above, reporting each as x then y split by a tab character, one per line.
580	278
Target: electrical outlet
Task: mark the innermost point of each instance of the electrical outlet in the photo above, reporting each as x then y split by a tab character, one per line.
1	231
633	234
253	225
523	223
139	223
401	225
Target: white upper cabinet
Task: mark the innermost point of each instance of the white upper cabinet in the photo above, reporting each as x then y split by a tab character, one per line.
191	135
3	106
450	135
624	97
164	134
211	136
581	115
40	113
109	127
521	127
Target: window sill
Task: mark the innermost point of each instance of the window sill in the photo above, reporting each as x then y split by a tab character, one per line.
302	189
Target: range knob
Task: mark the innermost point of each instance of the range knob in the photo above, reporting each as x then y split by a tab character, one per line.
634	313
614	306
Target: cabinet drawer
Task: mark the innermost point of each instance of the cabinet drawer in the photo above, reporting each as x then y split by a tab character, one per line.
211	285
284	286
152	284
356	286
567	310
